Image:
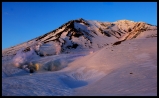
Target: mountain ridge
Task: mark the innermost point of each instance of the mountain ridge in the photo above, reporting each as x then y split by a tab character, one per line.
82	34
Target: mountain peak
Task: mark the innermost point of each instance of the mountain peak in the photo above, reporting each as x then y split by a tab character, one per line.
85	34
80	19
124	20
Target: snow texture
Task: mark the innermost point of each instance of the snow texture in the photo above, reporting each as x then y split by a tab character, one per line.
89	63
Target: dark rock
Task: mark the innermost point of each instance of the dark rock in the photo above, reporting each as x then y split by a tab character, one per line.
31	70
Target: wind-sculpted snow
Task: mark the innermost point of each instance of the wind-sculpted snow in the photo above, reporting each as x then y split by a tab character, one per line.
40	84
126	69
131	69
84	57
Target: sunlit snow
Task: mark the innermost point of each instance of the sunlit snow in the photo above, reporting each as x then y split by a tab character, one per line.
90	64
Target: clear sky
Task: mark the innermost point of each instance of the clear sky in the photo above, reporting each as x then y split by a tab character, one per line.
22	21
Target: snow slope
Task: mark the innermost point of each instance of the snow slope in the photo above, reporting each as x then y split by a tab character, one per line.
129	70
84	34
84	57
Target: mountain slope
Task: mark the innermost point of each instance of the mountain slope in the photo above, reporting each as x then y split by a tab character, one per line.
84	58
84	34
128	69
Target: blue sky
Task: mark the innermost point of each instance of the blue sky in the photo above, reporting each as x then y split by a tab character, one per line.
22	21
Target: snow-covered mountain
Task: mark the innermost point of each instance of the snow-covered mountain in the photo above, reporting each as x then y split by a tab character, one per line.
128	69
84	57
85	34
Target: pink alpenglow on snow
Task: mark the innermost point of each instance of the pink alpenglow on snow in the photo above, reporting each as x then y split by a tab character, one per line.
84	58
